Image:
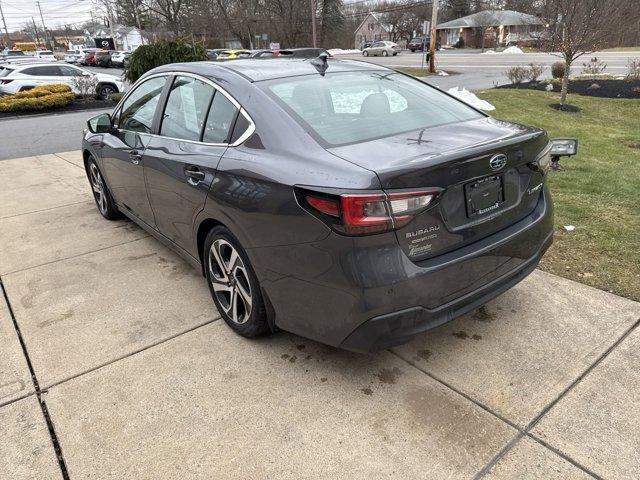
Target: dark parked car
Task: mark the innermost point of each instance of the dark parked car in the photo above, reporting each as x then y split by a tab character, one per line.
102	59
357	206
418	44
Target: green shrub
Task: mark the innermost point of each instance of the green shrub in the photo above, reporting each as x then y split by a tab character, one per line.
557	70
115	97
44	97
147	57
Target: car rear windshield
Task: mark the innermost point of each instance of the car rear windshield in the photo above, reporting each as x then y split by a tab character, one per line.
353	107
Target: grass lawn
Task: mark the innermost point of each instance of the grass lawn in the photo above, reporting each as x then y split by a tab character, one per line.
598	191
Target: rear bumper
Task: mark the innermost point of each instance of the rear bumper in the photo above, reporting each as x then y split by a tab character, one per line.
399	327
365	294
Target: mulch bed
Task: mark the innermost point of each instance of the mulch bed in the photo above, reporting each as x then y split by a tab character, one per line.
76	106
604	89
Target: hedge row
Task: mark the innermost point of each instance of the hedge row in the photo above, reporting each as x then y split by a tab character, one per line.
44	97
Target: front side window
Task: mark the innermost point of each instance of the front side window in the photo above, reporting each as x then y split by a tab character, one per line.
139	108
186	108
68	71
353	107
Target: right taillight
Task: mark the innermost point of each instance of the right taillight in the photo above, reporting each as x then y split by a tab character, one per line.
367	213
5	81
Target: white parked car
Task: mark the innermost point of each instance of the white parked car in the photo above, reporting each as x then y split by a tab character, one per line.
18	77
73	56
383	48
118	58
45	55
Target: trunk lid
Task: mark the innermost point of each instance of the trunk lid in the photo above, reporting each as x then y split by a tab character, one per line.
476	200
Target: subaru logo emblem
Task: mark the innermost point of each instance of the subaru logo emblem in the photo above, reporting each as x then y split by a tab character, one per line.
498	161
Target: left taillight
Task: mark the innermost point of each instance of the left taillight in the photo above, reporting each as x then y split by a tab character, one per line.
366	213
5	81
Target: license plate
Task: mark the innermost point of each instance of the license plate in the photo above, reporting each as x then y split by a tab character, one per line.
484	196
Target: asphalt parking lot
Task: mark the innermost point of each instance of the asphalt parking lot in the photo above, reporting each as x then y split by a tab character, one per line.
114	364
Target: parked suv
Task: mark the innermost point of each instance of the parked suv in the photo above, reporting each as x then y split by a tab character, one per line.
341	200
419	43
17	78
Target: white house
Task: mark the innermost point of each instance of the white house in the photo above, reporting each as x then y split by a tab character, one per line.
126	38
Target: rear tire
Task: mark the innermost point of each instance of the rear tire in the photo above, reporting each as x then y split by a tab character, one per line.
233	284
105	91
101	194
385	53
365	53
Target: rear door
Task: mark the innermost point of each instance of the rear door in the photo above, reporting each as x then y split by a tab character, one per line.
42	75
181	161
123	149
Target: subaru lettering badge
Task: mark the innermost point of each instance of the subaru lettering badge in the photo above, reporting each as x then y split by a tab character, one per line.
498	161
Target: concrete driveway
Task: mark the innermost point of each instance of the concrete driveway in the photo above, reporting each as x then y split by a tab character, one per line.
114	364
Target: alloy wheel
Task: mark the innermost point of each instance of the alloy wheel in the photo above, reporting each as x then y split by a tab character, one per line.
98	188
230	281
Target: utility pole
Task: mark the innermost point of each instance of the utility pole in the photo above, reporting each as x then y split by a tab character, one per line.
44	28
35	29
8	42
432	43
313	22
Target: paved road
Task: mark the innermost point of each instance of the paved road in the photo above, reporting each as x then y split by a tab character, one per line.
41	134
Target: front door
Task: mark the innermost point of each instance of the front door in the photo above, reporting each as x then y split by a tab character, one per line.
180	163
123	150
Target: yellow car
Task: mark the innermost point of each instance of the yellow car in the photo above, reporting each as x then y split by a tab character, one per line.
233	54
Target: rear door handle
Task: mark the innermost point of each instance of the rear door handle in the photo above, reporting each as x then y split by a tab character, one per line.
194	175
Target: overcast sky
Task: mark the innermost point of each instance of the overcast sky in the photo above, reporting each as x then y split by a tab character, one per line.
56	13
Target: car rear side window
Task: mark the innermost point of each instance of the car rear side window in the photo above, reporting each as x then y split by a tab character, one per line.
220	120
352	107
186	108
139	107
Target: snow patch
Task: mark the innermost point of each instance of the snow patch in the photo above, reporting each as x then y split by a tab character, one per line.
509	51
470	98
340	51
512	50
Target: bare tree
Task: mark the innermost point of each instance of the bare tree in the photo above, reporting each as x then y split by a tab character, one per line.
577	27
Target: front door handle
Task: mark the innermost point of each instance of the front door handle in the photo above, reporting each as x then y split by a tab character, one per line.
135	157
195	176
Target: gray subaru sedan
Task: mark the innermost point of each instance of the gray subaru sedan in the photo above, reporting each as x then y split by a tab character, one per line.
338	200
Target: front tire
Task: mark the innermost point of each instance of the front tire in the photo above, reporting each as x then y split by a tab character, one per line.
233	284
101	194
365	53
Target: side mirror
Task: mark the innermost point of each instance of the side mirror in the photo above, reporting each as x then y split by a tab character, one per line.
100	123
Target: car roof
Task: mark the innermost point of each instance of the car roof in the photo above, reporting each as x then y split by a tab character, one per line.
256	70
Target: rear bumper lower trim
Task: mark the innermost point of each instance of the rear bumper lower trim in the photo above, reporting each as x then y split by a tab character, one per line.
399	327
